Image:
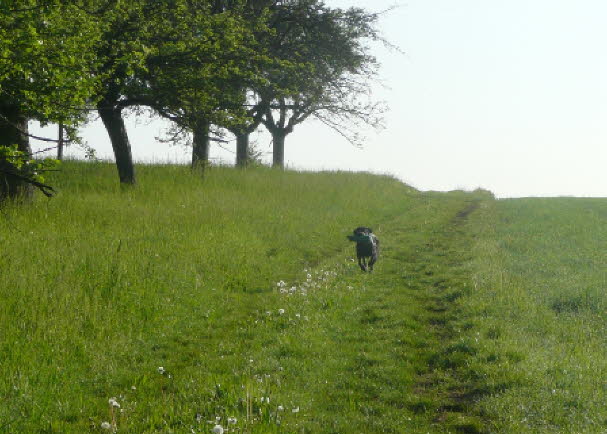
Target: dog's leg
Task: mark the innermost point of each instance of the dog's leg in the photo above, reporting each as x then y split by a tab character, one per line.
361	263
372	261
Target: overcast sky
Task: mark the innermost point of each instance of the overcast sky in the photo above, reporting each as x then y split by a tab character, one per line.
510	96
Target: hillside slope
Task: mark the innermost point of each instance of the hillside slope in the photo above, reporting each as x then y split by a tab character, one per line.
235	300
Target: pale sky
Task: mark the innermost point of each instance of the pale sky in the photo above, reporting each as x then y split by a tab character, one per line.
510	96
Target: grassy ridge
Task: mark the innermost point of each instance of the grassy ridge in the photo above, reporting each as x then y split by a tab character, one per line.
102	287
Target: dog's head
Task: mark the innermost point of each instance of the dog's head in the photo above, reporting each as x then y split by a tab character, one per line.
362	230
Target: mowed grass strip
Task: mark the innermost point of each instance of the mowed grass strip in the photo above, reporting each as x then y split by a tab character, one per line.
355	353
540	312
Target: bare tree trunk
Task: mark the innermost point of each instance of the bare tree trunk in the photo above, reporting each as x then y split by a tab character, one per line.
278	157
13	131
60	142
201	144
242	149
114	124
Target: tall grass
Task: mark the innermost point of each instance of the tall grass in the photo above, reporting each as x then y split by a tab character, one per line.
101	287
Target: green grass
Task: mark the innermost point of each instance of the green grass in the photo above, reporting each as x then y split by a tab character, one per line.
540	312
100	287
481	316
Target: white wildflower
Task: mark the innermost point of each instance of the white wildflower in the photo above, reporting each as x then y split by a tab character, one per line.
281	311
106	425
133	388
295	410
232	420
113	402
217	429
161	370
280	408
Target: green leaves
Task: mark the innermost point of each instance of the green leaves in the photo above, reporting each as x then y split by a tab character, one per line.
46	58
20	164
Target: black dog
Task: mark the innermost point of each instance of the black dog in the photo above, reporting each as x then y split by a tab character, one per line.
367	246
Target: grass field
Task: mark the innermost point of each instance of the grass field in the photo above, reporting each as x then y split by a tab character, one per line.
234	300
541	310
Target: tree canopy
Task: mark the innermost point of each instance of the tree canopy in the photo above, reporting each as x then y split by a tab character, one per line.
46	56
231	63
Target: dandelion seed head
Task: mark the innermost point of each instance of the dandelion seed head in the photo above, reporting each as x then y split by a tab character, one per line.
106	425
232	420
217	429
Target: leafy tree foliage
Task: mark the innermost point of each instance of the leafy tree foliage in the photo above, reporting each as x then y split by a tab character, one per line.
231	63
183	58
45	58
330	70
195	77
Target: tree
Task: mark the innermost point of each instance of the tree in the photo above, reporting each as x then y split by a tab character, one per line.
205	86
181	58
123	49
329	74
45	57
